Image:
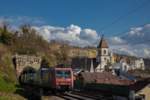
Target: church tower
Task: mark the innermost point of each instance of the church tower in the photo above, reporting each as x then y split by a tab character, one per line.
103	56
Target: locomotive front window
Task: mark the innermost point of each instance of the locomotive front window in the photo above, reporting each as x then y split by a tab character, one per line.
63	74
58	73
67	74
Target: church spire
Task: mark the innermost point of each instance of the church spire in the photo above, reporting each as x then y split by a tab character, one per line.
103	43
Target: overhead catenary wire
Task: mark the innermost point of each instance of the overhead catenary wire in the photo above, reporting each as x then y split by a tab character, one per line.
147	2
121	34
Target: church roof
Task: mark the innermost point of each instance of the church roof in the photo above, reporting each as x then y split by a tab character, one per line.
103	43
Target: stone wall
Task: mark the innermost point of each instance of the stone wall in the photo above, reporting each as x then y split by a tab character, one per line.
23	61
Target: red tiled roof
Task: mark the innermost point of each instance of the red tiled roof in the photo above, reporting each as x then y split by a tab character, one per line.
104	78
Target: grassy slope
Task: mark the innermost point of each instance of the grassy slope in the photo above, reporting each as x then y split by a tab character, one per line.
6	86
10	96
7	76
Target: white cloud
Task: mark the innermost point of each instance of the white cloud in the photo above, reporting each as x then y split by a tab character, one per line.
89	34
147	52
136	42
116	41
73	34
16	21
138	35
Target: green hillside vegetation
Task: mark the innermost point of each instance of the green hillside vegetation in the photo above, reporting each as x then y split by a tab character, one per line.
24	41
7	75
6	86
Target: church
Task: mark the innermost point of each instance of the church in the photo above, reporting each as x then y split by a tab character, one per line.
104	56
99	63
105	60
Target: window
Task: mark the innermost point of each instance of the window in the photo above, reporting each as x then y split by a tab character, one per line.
63	74
107	60
59	73
104	51
141	64
67	74
125	68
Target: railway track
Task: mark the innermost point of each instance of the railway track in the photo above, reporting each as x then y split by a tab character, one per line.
73	96
95	95
84	96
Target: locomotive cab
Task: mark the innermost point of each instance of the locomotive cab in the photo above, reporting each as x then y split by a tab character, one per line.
64	78
57	78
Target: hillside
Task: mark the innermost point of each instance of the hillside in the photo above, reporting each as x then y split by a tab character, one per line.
23	41
26	40
7	76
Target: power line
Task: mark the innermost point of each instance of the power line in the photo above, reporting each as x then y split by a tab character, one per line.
125	15
127	30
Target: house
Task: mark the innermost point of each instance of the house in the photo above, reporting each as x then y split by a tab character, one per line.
138	64
122	66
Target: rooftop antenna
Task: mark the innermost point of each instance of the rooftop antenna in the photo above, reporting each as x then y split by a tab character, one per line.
102	36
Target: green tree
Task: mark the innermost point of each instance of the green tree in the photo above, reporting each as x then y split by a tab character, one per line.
44	63
62	55
5	35
27	41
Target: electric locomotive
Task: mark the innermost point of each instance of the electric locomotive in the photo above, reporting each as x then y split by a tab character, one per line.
57	78
54	78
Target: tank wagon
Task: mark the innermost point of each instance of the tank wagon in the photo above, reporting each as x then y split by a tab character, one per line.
53	79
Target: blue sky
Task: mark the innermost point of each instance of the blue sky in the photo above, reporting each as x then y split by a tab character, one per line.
94	14
82	22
